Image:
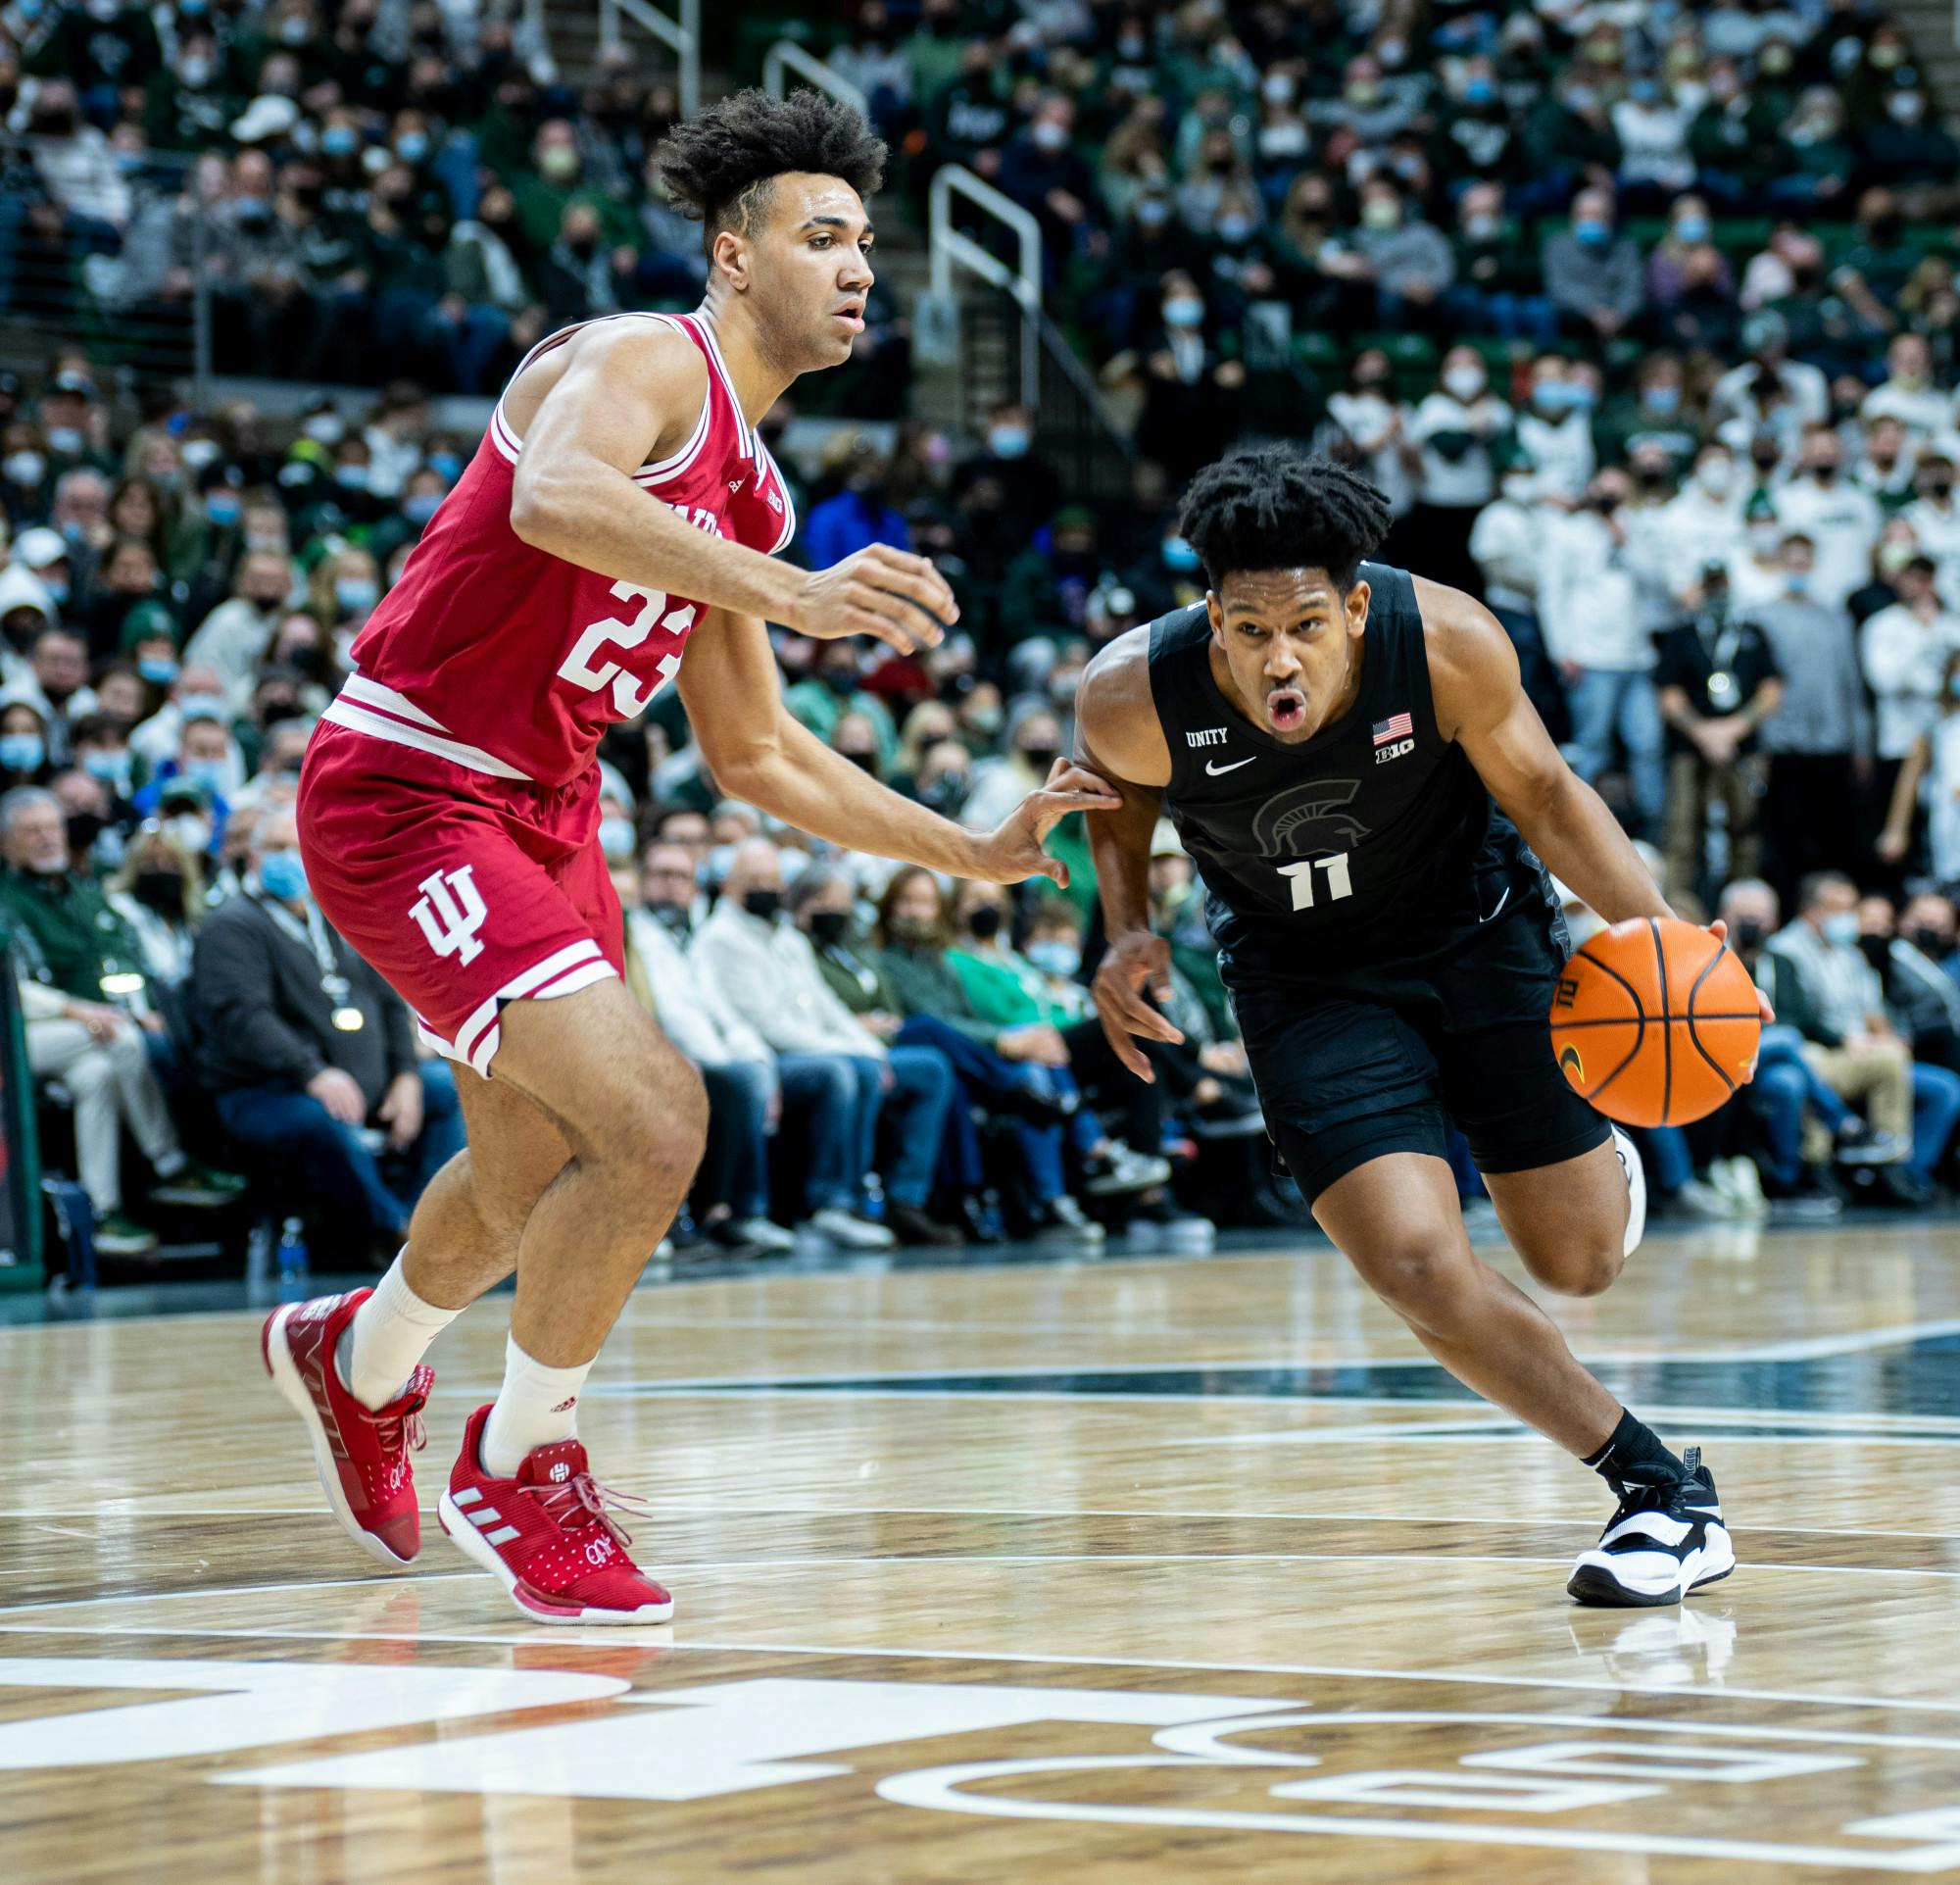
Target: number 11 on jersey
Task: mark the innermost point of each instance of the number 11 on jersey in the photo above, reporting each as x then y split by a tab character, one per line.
1338	884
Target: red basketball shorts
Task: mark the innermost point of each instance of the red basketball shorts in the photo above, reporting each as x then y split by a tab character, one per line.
462	891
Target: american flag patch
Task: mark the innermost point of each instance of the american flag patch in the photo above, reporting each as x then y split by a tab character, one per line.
1397	726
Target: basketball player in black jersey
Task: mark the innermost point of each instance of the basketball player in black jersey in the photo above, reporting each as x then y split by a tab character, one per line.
1329	735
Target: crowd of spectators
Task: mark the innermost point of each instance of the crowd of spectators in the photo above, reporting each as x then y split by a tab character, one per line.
1643	319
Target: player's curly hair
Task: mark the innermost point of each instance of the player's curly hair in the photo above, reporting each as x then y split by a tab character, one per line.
1275	507
718	168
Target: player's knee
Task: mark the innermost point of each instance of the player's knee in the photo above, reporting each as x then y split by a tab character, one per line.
1419	1273
654	1127
1589	1267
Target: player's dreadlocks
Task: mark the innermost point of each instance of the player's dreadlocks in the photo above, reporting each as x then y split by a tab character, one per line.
1276	508
719	168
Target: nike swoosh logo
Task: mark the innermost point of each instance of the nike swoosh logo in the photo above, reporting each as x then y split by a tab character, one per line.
1493	916
1213	768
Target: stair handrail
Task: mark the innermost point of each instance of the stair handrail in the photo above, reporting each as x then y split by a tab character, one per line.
681	34
785	56
952	248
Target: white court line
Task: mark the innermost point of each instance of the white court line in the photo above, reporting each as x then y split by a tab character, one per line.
627	1638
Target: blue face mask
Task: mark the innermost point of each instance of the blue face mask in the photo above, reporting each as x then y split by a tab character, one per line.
412	146
1009	441
1478	91
1665	401
1591	231
283	875
202	707
158	669
421	507
1840	928
222	508
339	140
209	774
22	752
1693	228
616	837
111	769
1179	555
1058	959
1798	582
356	594
1184	313
448	464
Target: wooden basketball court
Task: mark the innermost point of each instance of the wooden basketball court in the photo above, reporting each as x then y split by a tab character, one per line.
1141	1570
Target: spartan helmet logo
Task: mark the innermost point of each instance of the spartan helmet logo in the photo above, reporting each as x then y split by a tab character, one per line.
1308	820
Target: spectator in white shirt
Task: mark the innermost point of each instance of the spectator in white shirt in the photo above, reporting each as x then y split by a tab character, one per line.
1593	622
1556	428
1376	423
731	1192
1703	522
1908	393
1841	521
1904	651
1456	428
767	972
1747	397
1936	522
1508	542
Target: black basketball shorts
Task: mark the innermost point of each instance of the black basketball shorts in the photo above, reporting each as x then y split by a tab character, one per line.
1377	1062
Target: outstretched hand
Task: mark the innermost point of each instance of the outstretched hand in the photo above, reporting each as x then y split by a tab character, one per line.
1015	851
1133	964
890	594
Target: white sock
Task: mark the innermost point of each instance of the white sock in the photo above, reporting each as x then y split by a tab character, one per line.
391	1331
535	1406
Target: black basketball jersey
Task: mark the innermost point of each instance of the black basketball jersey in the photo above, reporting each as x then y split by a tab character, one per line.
1372	846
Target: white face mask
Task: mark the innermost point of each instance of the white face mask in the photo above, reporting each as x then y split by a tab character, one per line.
1464	382
1717	477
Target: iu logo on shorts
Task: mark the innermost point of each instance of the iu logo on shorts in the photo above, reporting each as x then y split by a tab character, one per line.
451	911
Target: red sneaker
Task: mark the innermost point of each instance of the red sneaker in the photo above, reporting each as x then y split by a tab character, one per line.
546	1535
361	1454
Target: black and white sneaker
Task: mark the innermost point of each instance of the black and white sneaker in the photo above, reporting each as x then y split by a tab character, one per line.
1666	1539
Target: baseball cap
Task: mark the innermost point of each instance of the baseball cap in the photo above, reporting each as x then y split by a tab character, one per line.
40	547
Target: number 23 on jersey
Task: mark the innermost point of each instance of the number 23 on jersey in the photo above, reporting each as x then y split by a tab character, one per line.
583	668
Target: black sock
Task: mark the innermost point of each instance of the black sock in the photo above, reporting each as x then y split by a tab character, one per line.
1635	1452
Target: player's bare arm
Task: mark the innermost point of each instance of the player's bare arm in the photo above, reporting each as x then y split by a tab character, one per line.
758	751
615	397
1480	705
1119	739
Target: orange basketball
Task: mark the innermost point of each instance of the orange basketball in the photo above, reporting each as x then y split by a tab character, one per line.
1655	1023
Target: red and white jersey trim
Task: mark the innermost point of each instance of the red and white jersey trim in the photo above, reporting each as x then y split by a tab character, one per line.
366	707
661	470
562	972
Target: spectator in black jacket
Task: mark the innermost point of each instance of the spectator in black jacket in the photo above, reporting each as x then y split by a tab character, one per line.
306	1050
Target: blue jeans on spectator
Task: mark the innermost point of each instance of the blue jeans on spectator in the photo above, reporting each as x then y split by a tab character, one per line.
278	1119
1935	1111
915	1110
989	1080
827	1087
1609	701
1784	1084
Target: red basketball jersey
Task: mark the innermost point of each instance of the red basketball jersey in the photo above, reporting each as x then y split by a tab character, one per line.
506	659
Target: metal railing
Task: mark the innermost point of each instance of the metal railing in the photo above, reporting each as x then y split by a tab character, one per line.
124	265
680	35
786	57
952	247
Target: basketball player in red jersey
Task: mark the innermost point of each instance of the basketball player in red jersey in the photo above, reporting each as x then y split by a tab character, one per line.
614	533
